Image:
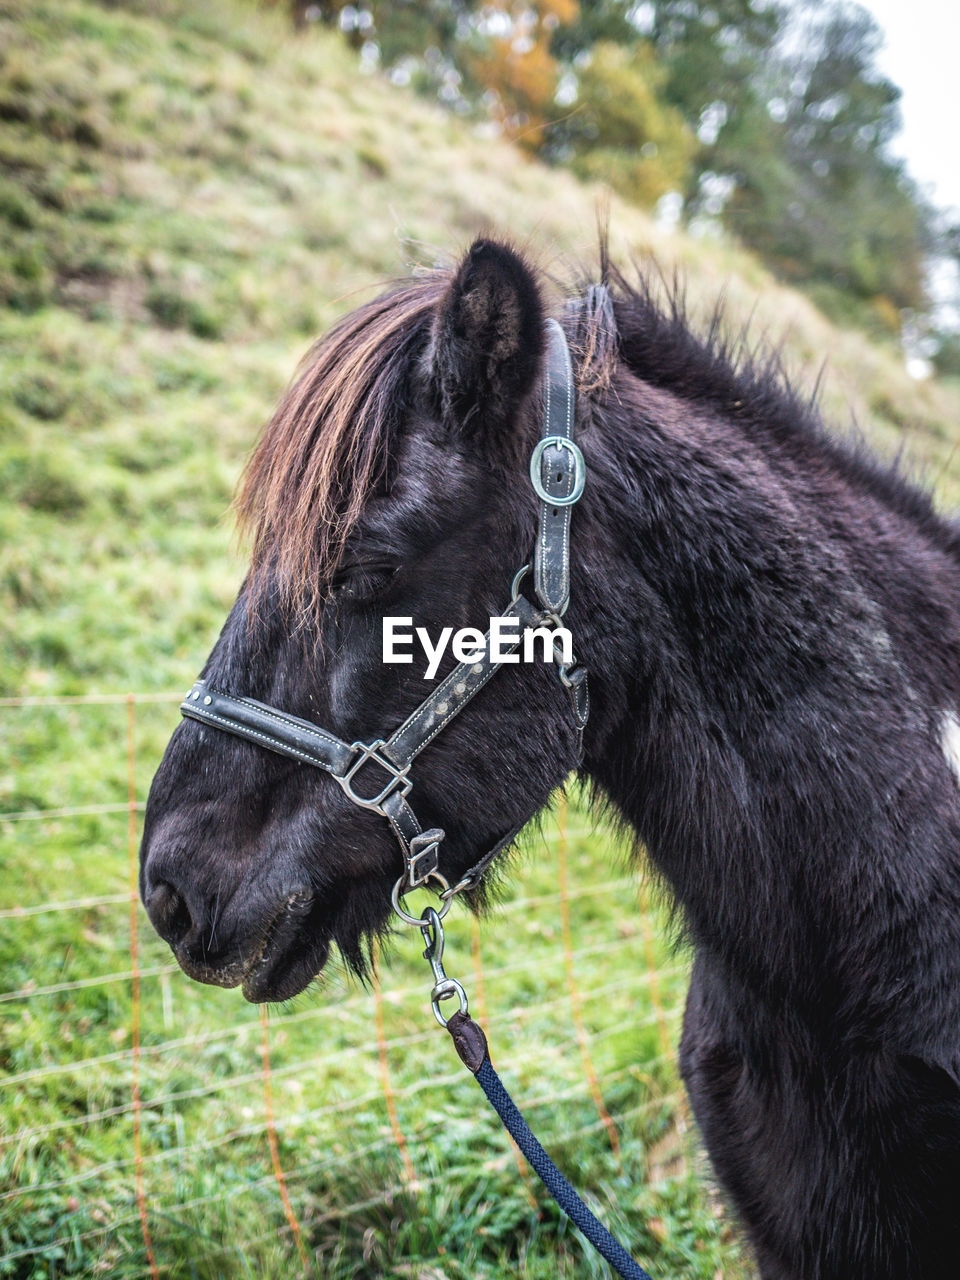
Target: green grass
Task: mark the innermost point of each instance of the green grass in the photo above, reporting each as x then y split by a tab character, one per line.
188	195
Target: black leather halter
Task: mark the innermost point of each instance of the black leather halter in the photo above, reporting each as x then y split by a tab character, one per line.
558	473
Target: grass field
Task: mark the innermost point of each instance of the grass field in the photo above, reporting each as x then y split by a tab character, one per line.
188	195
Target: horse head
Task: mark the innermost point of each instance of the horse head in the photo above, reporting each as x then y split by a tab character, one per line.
391	482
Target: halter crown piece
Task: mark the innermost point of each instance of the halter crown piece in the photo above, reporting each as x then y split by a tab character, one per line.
558	474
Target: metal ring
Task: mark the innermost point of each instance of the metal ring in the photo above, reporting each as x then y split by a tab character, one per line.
405	916
563	668
580	472
518	577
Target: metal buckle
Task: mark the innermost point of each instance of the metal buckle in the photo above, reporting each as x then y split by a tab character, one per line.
371	751
424	857
580	472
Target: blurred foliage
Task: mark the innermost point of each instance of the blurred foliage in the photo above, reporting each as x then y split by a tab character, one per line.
770	120
621	130
185	193
816	192
946	359
714	55
519	70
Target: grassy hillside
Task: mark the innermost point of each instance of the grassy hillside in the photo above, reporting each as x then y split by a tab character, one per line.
188	195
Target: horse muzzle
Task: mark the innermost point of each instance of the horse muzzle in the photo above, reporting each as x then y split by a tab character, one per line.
272	959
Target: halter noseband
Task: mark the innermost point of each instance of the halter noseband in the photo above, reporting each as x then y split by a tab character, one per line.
558	474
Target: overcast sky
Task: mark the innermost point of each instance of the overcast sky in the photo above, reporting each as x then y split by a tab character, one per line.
922	56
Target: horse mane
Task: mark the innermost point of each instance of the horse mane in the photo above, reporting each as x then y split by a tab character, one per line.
327	446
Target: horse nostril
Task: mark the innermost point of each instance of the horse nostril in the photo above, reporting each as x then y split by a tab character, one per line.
169	913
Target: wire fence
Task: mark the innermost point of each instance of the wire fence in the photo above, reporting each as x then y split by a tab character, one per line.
134	1100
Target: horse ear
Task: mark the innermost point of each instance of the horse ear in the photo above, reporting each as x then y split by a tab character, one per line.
488	339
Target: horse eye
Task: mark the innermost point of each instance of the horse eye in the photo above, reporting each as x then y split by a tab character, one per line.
363	581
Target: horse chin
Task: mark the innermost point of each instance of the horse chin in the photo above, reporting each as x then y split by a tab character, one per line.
276	978
293	952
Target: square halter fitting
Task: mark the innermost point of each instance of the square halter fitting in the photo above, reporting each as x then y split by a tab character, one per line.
371	752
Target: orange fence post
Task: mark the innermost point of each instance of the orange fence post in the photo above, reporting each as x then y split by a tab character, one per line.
135	986
272	1139
409	1173
683	1118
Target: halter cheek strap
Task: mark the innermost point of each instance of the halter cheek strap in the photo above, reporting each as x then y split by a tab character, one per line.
375	775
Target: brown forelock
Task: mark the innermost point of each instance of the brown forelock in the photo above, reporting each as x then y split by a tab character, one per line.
326	446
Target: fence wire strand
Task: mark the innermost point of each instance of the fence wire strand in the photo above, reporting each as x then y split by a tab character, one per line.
88	699
155	971
72	904
246	1078
252	1078
515	905
383	1061
296	1119
303	1171
246	1026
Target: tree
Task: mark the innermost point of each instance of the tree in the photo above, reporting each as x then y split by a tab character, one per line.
816	192
769	116
597	21
519	70
426	43
713	53
620	130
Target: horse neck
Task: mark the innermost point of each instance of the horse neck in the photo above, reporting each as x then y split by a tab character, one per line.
768	692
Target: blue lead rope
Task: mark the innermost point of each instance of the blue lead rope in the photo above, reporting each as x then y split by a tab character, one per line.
605	1244
471	1044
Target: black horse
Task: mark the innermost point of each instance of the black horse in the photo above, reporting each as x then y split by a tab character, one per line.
771	619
